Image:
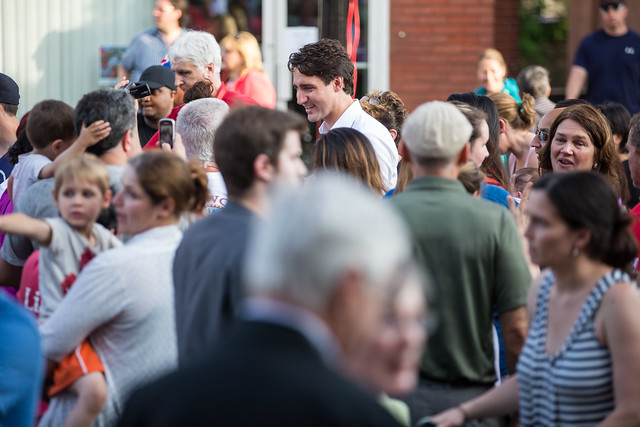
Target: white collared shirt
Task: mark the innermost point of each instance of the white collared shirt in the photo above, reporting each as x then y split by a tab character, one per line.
386	151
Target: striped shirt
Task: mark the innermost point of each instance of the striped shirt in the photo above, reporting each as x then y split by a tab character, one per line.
573	387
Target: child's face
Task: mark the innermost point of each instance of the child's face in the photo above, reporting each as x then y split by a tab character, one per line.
80	203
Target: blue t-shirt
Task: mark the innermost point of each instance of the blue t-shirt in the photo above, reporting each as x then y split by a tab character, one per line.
613	65
495	194
5	167
510	88
21	366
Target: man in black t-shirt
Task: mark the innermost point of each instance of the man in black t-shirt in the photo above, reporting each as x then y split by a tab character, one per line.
608	61
158	105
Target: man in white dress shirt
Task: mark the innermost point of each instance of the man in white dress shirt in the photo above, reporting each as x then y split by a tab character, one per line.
323	80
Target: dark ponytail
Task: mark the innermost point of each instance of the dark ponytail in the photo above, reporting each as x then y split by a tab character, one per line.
623	247
587	200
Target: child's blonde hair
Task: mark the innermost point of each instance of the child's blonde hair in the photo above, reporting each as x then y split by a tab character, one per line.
82	167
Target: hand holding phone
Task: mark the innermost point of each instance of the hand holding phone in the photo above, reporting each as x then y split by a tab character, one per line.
167	131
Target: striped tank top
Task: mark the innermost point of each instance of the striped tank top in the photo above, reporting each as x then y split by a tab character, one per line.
573	387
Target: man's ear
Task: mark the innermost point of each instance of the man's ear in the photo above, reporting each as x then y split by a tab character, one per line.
394	134
209	71
127	142
463	155
338	84
263	169
343	305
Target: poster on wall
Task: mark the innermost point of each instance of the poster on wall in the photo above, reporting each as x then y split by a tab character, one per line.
110	56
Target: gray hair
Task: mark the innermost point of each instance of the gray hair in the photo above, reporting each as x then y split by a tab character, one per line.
534	80
199	47
317	233
197	124
114	106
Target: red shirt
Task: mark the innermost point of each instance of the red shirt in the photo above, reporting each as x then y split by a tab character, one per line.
256	85
635	226
231	98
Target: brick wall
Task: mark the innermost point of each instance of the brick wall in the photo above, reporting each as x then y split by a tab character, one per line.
434	44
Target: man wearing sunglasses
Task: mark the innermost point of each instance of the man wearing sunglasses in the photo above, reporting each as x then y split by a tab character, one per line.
608	61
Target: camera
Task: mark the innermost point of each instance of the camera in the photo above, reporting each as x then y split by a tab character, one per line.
139	91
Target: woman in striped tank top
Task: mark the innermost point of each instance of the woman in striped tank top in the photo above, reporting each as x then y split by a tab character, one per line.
579	365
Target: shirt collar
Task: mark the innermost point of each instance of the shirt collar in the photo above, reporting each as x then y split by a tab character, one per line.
297	318
222	91
432	182
346	120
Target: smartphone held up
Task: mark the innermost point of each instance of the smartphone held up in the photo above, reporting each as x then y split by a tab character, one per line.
167	131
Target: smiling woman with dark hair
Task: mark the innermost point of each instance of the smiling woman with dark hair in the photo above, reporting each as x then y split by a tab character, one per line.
580	139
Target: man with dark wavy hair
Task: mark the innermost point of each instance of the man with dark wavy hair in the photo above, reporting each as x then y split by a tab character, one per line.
323	80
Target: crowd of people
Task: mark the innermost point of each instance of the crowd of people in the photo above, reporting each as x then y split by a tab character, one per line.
471	262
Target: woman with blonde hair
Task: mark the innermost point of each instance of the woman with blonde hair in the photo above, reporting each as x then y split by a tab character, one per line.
515	122
242	61
492	75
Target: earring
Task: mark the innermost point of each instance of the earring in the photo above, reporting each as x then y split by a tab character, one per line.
595	166
575	252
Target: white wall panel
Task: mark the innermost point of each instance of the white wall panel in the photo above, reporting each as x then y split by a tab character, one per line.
51	47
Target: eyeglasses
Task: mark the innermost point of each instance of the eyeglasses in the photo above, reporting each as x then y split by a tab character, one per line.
543	135
372	101
611	6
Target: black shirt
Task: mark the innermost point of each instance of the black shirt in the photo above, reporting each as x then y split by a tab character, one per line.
145	132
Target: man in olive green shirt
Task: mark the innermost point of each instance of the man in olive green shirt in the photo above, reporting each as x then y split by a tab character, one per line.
473	253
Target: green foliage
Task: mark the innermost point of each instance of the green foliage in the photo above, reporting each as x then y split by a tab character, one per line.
540	38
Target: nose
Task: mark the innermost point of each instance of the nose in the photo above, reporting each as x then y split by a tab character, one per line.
300	97
567	149
528	234
178	80
117	198
535	142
